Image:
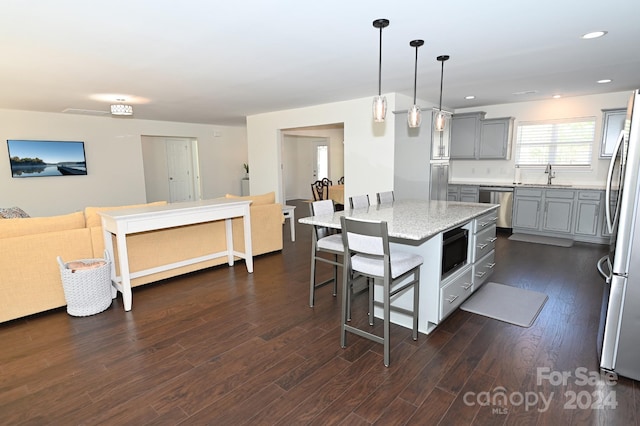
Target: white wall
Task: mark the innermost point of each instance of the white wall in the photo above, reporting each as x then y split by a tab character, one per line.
114	160
502	171
368	146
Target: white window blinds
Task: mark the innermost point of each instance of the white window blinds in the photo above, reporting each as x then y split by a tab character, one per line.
558	142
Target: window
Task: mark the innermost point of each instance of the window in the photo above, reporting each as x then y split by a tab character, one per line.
558	142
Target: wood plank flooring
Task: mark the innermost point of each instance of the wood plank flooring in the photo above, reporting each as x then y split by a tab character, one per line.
225	347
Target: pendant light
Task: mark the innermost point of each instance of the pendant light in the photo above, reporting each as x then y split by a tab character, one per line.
441	119
414	117
380	102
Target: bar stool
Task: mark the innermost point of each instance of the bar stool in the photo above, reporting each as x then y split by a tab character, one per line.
324	240
366	253
359	201
385	197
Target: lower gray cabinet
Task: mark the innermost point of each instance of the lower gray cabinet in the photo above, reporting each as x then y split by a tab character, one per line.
558	210
588	214
565	213
526	208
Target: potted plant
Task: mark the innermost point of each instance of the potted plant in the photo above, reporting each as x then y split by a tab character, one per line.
246	170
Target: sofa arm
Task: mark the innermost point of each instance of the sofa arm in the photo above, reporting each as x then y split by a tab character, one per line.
30	278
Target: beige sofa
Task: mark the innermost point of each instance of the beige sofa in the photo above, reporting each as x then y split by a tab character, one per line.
29	274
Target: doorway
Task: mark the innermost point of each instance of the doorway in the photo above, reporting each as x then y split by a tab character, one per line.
171	168
309	154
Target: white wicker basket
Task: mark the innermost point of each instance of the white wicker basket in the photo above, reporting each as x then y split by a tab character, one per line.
87	291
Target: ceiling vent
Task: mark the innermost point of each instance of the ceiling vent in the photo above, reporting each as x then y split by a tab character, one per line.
86	112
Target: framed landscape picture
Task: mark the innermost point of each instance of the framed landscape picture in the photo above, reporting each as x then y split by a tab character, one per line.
32	158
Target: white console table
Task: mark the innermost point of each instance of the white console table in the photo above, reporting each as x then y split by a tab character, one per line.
130	221
289	213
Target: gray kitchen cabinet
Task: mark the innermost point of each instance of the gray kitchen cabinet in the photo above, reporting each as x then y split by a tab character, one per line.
466	193
465	135
440	141
612	124
475	138
469	193
566	213
558	210
588	209
438	181
495	138
453	192
526	208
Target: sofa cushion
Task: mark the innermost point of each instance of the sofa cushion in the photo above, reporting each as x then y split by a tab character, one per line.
93	218
258	200
12	213
38	225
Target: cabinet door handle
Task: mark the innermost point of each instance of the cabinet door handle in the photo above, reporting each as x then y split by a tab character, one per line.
492	240
490	265
483	224
482	246
450	299
466	286
480	274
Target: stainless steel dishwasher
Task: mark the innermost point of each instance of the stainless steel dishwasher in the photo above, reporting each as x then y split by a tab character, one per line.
502	195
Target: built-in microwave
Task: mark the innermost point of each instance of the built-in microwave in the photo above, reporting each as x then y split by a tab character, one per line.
455	243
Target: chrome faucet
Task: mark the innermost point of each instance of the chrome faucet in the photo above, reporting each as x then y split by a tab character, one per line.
550	173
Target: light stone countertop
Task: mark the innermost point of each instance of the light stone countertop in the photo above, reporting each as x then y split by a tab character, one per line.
584	186
410	219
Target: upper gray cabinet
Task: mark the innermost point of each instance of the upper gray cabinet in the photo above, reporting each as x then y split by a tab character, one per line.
465	135
475	138
495	138
612	125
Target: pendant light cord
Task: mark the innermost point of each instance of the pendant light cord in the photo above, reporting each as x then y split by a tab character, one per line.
441	78
380	65
415	76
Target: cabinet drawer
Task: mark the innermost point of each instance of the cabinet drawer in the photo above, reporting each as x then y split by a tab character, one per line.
485	221
589	195
484	243
528	192
483	269
466	189
559	193
455	292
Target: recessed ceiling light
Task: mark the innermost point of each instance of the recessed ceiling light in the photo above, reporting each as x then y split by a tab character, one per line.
594	34
604	81
469	97
556	96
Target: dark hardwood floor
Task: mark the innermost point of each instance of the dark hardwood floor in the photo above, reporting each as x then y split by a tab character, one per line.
224	347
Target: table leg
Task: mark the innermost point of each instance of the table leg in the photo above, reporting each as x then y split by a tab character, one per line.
125	279
292	222
229	235
248	249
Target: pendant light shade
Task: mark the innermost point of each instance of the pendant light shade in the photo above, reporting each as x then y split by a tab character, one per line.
441	119
380	102
414	117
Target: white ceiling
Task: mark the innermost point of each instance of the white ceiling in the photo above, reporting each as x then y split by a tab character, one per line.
218	62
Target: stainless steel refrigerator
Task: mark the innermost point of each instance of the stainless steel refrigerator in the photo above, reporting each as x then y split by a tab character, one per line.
619	331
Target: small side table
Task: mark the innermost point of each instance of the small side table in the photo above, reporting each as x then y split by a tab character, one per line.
288	212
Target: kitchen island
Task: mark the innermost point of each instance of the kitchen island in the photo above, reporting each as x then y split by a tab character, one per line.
418	226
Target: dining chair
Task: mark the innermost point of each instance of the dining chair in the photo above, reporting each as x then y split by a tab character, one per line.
325	240
319	191
359	201
341	180
366	253
385	197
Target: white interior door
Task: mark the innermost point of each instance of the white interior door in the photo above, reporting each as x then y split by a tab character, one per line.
180	170
320	160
